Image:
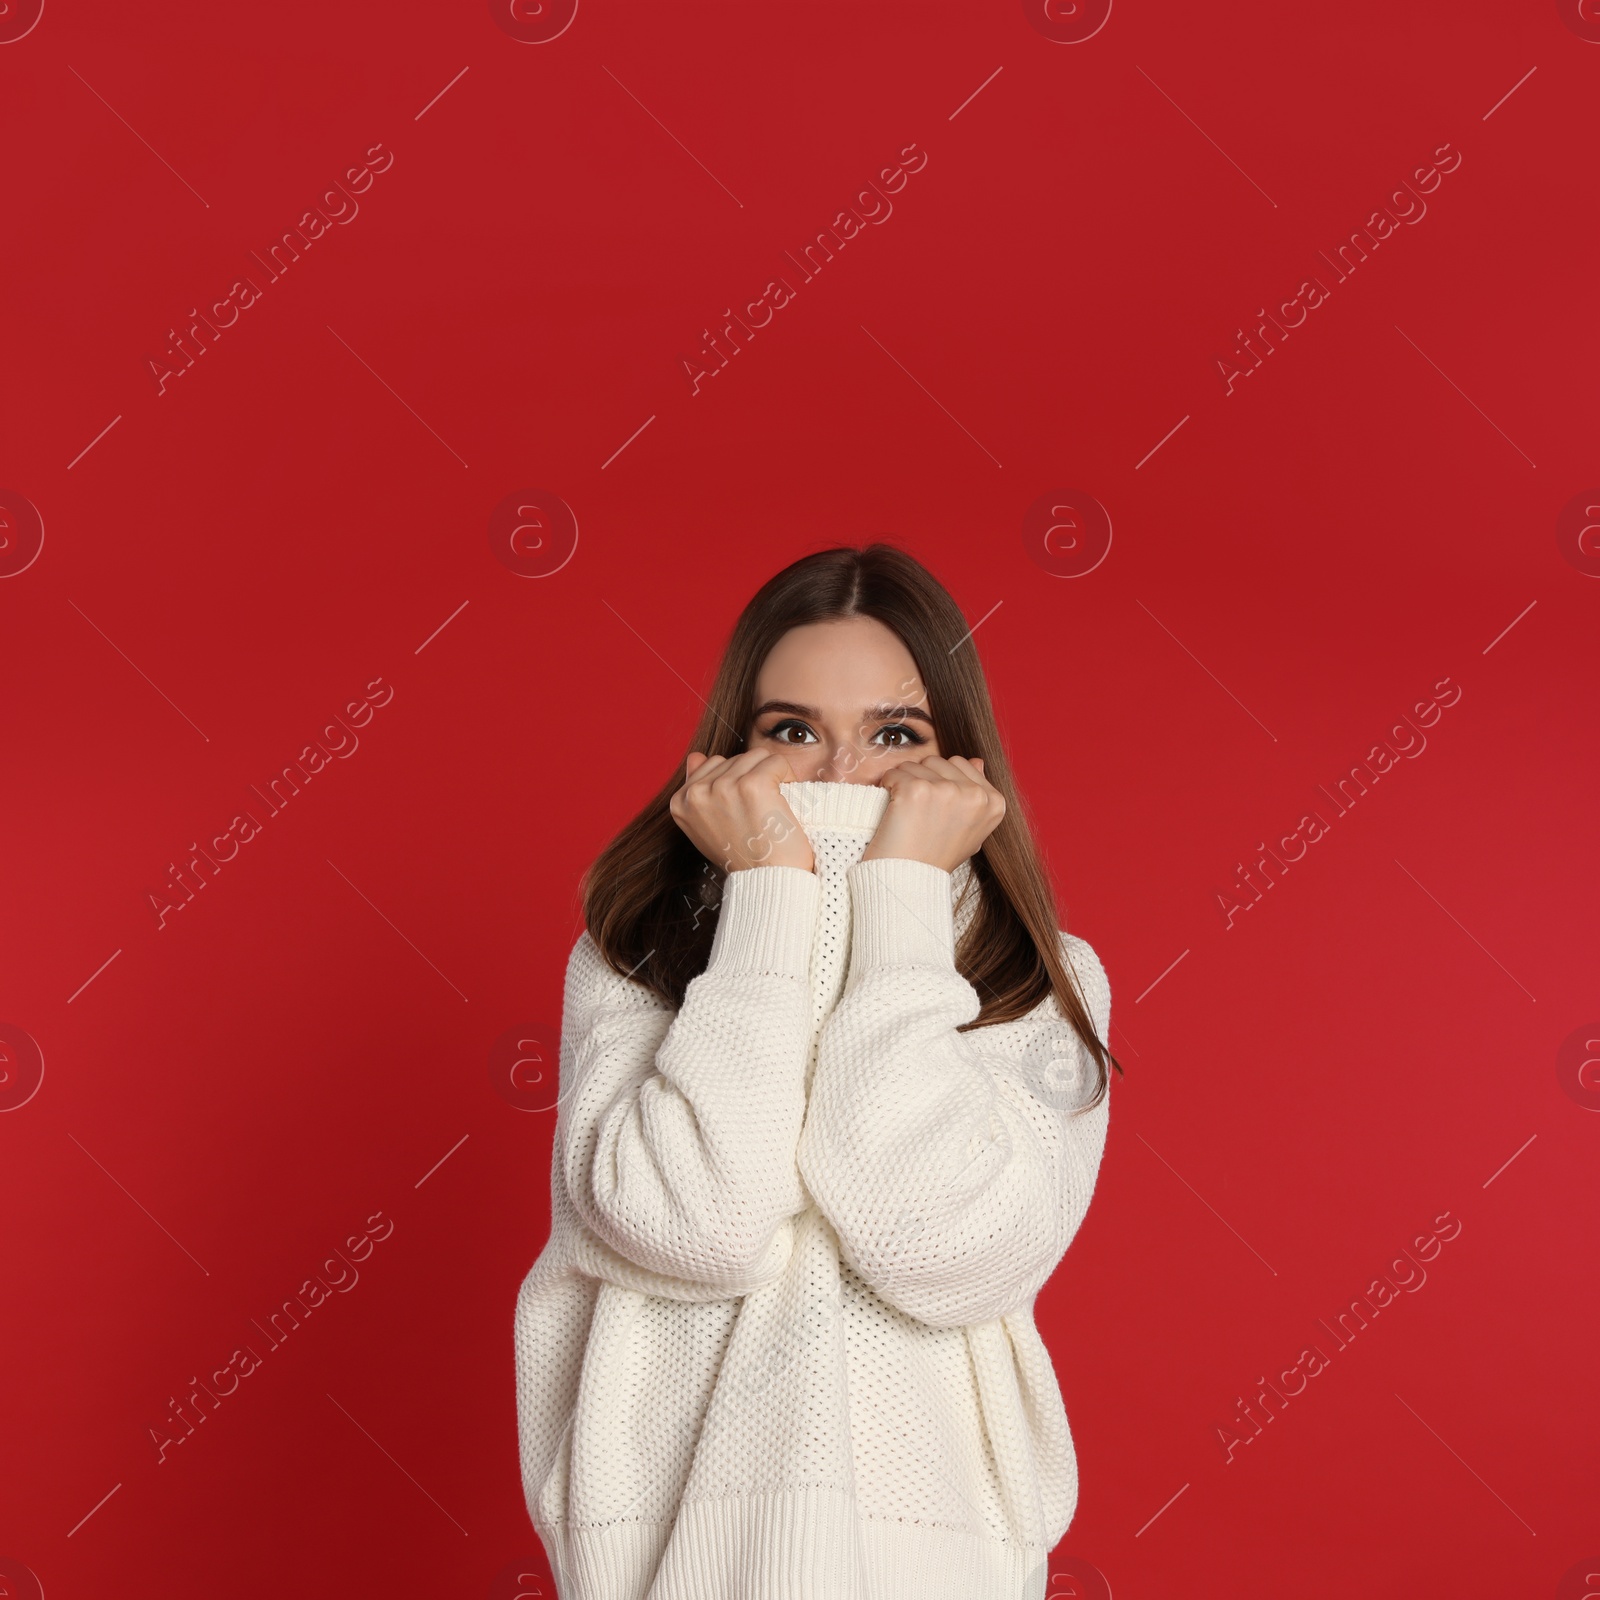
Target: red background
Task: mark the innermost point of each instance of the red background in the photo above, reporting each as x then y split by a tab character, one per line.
304	1044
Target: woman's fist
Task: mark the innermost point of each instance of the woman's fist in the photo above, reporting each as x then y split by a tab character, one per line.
940	811
731	809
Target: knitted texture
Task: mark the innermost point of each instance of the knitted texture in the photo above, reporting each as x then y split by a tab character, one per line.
780	1343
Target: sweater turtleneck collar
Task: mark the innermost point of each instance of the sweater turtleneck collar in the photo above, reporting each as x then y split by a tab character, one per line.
836	805
857	808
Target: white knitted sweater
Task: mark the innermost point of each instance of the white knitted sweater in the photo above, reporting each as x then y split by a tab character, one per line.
780	1344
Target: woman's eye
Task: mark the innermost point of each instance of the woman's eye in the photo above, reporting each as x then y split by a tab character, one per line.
893	736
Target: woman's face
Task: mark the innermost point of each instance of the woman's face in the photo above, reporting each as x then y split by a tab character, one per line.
842	702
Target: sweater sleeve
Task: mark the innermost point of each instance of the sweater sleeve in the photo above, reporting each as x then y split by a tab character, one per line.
954	1167
676	1131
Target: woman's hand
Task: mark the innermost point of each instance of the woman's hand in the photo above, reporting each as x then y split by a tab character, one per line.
731	809
940	811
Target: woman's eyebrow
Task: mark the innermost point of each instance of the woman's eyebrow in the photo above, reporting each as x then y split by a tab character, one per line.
878	713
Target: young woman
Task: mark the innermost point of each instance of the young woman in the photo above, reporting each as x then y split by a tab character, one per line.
833	1098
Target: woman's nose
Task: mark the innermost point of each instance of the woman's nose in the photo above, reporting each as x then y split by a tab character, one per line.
844	765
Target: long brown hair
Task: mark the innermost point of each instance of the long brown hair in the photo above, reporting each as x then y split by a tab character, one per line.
650	899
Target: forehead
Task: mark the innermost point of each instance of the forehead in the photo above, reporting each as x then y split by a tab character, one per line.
849	663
